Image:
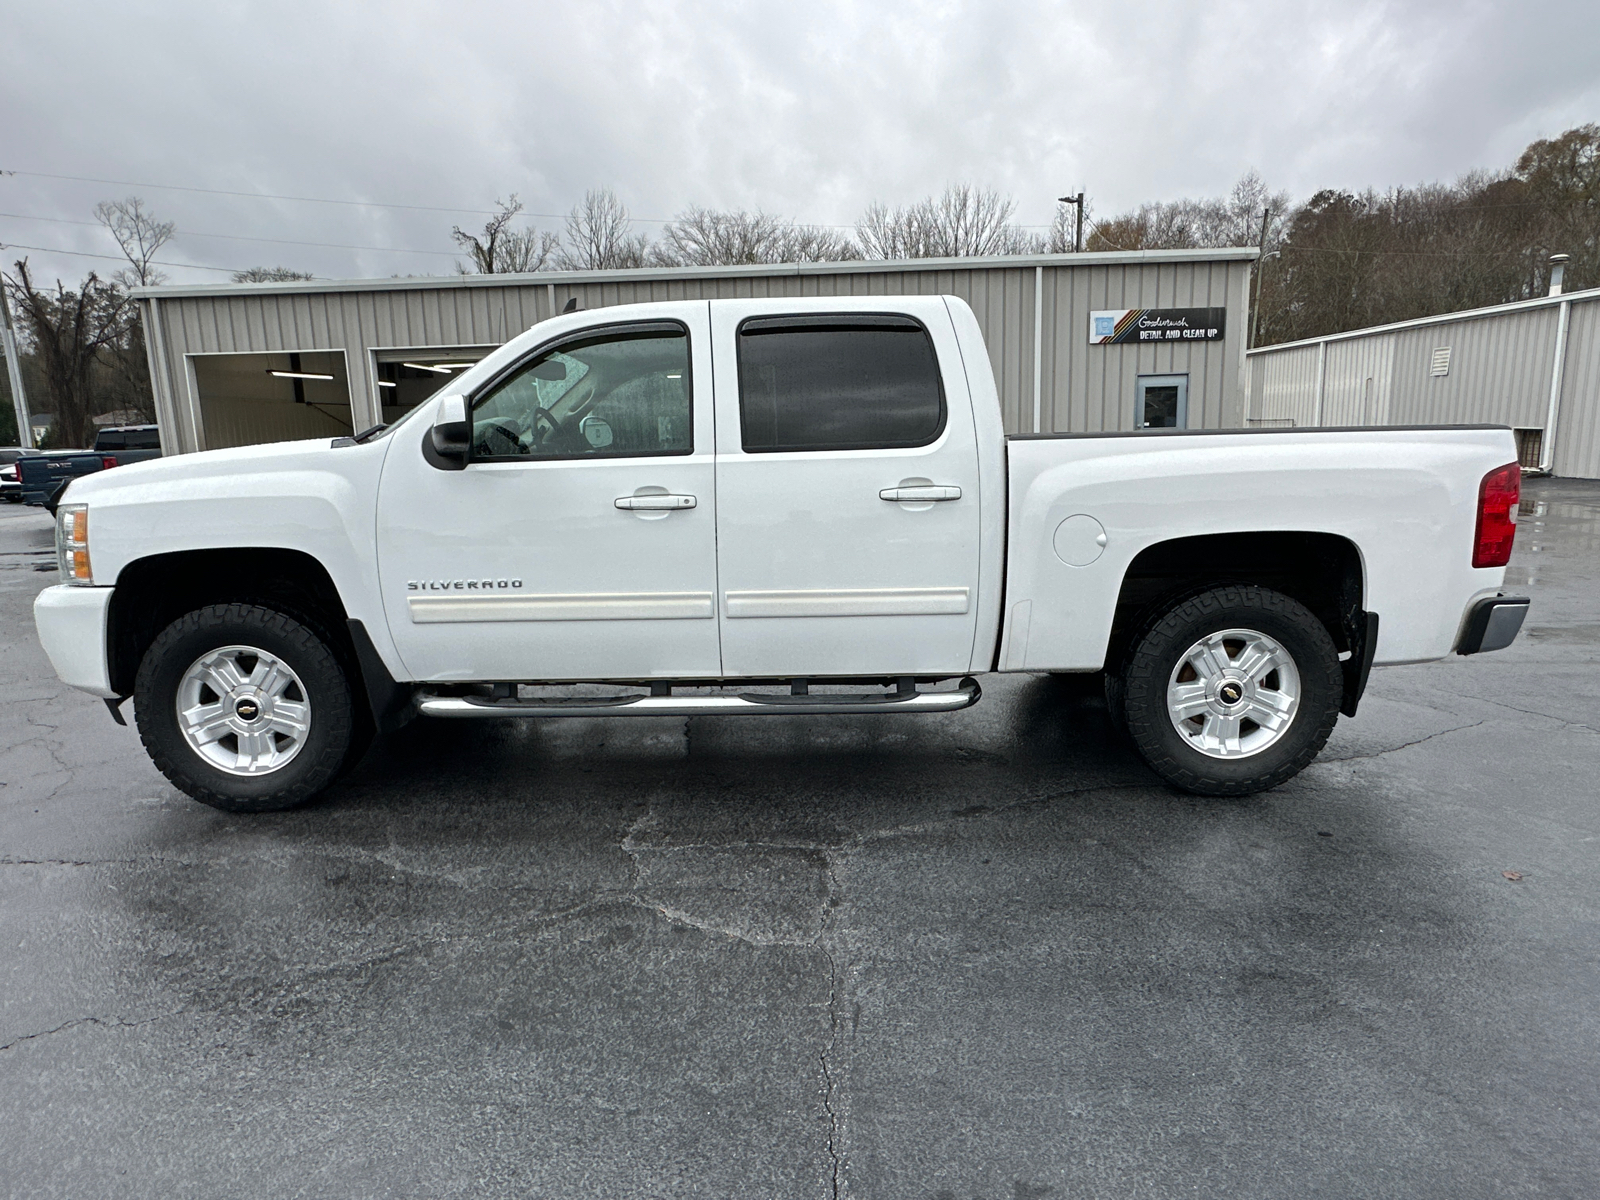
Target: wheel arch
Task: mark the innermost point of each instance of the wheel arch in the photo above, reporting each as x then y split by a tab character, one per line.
154	591
1323	571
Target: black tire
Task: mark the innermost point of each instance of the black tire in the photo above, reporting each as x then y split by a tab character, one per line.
1157	652
327	689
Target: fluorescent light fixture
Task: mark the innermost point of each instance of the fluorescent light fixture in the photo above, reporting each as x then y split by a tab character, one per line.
426	367
674	374
299	375
386	383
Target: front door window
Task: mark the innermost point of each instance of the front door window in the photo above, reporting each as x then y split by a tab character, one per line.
616	395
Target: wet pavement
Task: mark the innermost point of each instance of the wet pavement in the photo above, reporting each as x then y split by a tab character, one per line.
973	957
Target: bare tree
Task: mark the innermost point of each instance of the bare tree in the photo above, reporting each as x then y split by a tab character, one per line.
961	222
502	250
139	234
598	238
1231	220
523	251
271	275
702	237
68	331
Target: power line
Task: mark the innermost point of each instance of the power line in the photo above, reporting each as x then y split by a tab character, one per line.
370	204
112	257
235	237
174	187
481	212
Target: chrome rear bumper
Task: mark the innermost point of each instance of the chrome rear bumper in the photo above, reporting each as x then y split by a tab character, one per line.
1493	624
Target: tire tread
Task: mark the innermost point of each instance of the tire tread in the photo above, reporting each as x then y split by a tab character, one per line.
1144	682
335	735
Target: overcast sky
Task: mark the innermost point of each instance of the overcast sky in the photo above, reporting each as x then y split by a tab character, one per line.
806	110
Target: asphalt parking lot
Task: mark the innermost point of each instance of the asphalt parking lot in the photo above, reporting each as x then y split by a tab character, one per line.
972	957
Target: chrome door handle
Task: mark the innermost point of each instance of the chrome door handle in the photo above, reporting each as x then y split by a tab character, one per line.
922	493
656	503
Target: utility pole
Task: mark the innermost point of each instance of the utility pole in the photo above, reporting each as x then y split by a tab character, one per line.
1077	241
1261	269
19	401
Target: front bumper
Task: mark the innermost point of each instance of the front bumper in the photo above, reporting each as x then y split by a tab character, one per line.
72	629
1493	624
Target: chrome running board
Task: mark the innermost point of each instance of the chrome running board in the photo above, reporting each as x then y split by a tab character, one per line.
742	704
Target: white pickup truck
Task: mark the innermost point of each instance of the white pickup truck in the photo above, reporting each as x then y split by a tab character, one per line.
766	506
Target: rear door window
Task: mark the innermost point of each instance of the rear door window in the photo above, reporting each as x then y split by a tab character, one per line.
843	382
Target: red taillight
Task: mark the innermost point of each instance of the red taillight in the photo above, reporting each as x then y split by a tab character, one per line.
107	463
1498	495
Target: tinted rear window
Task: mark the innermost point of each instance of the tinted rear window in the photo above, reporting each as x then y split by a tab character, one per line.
837	383
128	439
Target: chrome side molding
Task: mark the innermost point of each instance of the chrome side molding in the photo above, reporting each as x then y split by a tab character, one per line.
965	695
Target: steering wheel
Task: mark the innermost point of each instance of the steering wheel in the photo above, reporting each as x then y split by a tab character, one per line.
544	426
501	437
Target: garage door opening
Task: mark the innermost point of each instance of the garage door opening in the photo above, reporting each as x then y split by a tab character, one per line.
408	377
247	399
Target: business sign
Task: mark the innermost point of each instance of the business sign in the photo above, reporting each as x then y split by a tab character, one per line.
1115	325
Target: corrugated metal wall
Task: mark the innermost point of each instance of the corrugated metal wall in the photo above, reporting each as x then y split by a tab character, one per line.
1357	377
1500	372
1092	387
1578	423
1283	387
1082	387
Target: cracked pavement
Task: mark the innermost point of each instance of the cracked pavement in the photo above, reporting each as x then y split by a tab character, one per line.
969	957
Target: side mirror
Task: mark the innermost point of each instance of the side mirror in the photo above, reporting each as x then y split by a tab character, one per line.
596	431
450	439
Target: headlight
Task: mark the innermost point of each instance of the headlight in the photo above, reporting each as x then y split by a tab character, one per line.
72	544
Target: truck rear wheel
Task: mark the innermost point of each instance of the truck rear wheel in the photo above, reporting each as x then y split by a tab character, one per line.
244	708
1231	691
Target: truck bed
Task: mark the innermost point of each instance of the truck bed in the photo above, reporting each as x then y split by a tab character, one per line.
1402	498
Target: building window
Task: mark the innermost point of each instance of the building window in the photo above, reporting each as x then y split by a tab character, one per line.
1161	402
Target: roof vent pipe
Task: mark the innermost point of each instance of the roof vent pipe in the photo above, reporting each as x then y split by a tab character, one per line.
1558	268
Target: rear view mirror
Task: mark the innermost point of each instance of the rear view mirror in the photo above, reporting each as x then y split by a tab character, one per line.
450	438
549	369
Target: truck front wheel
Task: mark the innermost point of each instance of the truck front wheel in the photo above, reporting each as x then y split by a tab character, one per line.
244	708
1232	691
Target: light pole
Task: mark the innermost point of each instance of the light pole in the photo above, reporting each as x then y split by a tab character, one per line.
1077	241
1261	269
19	401
1255	319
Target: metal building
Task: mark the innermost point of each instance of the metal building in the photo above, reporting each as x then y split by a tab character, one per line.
247	363
1533	365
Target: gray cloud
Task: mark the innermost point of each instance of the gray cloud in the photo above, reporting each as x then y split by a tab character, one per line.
809	111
